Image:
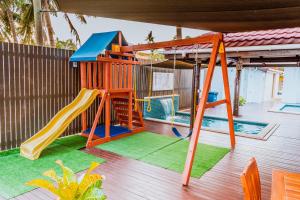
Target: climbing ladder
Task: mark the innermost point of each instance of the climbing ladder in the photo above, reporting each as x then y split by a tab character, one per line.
121	108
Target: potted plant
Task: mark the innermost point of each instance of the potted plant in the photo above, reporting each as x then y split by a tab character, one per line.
242	101
69	187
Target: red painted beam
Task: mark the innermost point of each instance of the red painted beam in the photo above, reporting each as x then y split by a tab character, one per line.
209	38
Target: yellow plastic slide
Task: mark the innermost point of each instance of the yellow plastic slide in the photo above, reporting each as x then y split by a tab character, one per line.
33	147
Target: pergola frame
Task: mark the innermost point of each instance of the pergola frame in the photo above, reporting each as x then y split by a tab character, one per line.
286	55
217	49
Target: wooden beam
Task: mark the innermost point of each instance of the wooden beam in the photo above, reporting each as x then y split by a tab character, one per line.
96	120
209	38
289	55
237	83
83	85
227	96
107	102
193	96
216	103
89	70
94	64
199	115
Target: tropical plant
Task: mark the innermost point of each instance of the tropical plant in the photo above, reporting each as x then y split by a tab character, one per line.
8	16
49	7
242	101
150	38
65	44
69	187
17	21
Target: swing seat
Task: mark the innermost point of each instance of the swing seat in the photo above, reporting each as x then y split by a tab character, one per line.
179	135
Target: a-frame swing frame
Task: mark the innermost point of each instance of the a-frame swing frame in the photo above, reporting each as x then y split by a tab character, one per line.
218	49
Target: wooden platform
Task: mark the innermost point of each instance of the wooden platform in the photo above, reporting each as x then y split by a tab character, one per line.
131	179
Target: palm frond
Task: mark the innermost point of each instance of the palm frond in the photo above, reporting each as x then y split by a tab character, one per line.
81	18
72	28
26	24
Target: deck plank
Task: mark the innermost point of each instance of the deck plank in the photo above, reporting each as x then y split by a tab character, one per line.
132	179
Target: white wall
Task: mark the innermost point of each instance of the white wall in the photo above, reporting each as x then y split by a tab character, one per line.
291	85
217	81
268	91
256	85
252	85
276	86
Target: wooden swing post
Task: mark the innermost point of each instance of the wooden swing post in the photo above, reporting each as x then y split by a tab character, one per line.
83	85
217	49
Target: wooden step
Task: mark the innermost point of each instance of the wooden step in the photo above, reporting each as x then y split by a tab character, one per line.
134	123
121	107
122	101
125	117
125	112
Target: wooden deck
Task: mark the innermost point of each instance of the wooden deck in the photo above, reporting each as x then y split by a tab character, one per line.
131	179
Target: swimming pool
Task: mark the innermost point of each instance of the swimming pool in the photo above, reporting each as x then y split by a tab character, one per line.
162	112
218	123
287	108
291	108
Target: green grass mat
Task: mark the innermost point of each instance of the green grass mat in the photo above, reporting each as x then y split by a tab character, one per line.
139	145
166	152
16	170
173	157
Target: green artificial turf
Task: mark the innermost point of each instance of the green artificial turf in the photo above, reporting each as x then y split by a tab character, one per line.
139	145
173	157
166	152
15	170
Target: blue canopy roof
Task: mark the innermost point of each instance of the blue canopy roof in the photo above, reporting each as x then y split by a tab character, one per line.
96	45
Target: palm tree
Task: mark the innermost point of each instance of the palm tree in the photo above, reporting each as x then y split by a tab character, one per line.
48	7
7	18
17	21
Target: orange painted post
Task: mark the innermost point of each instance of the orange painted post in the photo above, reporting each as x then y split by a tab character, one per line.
110	75
120	75
124	76
83	85
130	97
100	78
200	114
115	75
94	64
89	75
107	102
222	53
97	117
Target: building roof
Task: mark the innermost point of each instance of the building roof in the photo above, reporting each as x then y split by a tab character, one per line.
217	15
285	36
267	37
95	45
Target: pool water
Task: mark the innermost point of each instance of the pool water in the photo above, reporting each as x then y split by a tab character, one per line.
221	124
291	108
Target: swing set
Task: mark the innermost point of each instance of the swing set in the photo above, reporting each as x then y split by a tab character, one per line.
218	49
111	73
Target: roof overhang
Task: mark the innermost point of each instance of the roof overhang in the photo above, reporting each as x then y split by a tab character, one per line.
217	15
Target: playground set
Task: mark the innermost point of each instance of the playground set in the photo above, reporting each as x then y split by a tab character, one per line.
106	68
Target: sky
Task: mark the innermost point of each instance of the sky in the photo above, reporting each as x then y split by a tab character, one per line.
134	32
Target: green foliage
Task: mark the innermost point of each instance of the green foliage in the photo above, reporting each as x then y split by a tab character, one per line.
65	44
242	101
18	17
69	187
150	38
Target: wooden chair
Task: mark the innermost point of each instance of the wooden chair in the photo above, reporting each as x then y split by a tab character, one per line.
251	181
